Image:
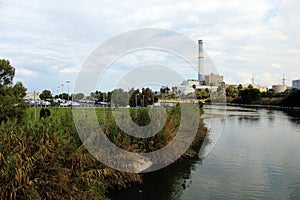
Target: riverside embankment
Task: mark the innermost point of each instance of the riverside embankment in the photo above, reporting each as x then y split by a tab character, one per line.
45	158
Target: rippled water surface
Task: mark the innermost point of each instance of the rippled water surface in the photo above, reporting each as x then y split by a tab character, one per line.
257	156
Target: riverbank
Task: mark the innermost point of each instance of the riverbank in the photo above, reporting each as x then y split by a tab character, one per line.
44	158
252	97
258	106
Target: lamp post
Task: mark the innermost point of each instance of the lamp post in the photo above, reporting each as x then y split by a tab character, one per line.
68	82
58	87
62	90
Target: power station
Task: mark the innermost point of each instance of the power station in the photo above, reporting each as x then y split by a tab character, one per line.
211	81
200	61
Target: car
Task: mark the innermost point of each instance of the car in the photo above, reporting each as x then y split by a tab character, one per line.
45	103
66	104
73	103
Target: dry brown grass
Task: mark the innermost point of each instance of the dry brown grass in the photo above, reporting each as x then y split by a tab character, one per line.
45	159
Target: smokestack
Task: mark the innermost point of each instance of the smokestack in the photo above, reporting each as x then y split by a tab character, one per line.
200	62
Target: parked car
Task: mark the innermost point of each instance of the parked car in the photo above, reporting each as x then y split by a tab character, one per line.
69	103
45	103
73	103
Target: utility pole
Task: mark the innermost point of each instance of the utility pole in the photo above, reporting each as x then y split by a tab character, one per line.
283	80
252	80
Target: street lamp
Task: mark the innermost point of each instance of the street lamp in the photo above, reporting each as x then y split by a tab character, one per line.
68	82
62	90
58	87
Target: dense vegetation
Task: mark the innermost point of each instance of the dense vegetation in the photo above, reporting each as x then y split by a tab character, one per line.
250	95
45	159
292	100
12	104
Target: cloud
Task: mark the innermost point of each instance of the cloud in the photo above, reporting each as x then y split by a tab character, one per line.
26	73
69	70
240	36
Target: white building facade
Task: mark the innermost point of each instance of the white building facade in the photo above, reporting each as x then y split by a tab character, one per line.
188	87
279	88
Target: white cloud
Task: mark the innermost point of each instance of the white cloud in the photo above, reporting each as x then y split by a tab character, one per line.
26	73
246	37
69	70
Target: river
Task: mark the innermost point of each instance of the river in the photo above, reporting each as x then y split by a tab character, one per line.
256	156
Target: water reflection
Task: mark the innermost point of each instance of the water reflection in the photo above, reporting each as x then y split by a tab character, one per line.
270	115
256	157
294	116
167	183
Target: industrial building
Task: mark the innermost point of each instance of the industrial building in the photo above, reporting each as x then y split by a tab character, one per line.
32	96
188	86
279	88
296	84
260	88
200	61
211	81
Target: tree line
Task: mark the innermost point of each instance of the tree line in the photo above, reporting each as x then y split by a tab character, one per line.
117	97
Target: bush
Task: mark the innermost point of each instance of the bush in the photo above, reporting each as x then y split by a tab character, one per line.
292	100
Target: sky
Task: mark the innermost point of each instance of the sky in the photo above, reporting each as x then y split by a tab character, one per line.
48	43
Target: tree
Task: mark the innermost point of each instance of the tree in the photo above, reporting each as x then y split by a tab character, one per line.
93	94
231	91
220	88
240	87
12	105
292	100
78	96
7	73
250	86
120	97
147	97
46	94
250	95
194	86
64	96
201	94
135	98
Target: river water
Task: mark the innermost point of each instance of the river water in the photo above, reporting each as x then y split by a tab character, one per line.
256	156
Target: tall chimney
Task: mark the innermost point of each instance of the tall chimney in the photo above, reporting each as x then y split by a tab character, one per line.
200	62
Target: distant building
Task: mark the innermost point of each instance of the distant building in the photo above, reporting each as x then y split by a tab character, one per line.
213	80
32	96
261	88
296	84
279	88
187	86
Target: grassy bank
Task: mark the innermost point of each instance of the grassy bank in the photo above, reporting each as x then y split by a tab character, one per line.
45	158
